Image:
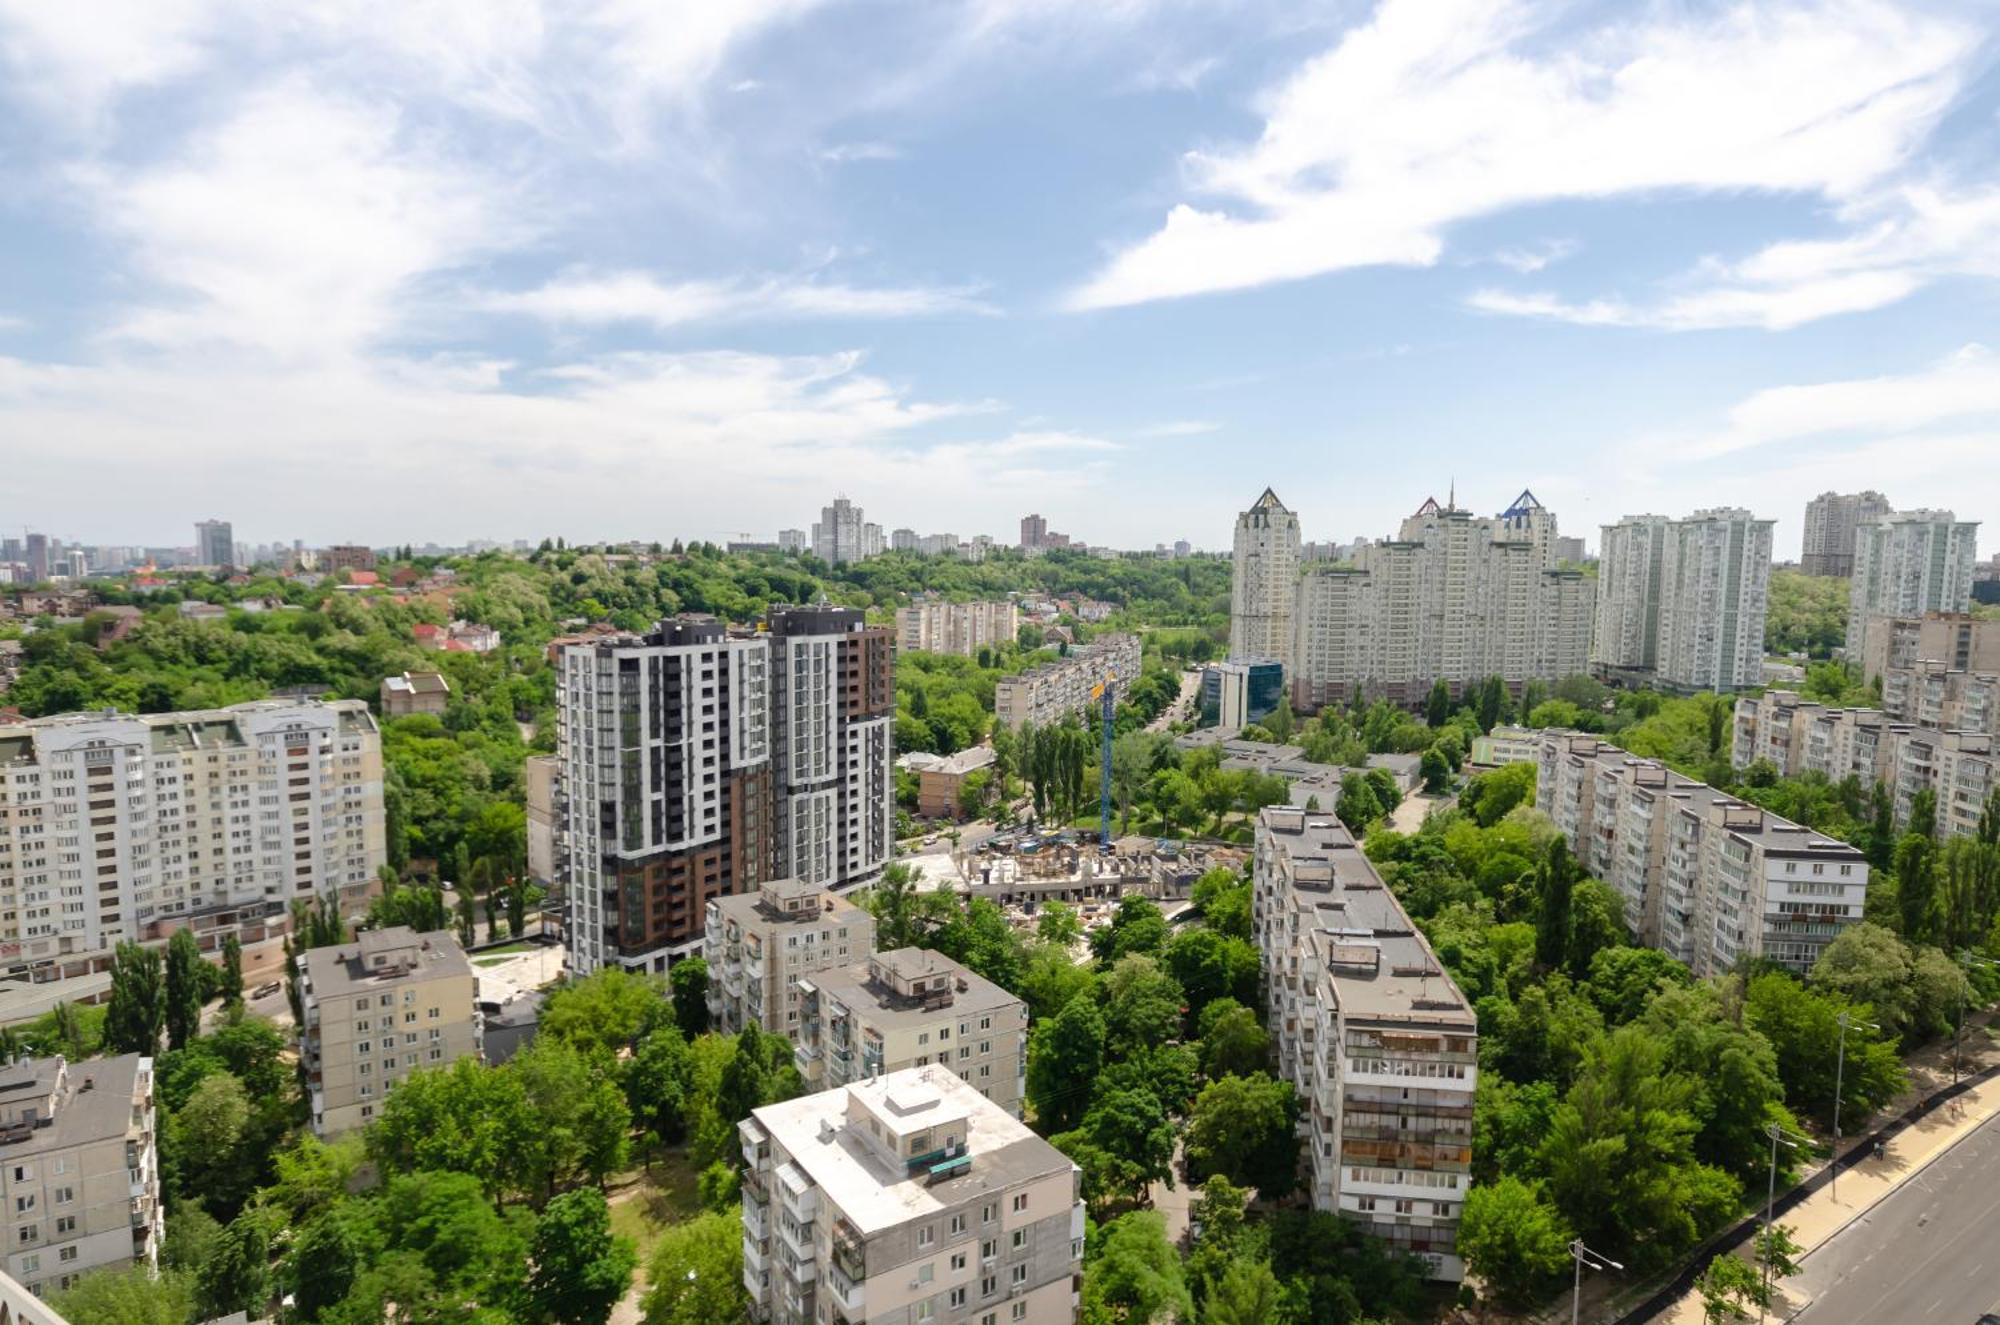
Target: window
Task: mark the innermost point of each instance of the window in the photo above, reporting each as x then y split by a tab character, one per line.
1020	1202
988	1249
30	1264
926	1311
926	1235
1020	1274
957	1261
1020	1311
67	1253
988	1213
989	1286
957	1225
957	1297
64	1195
23	1204
926	1272
1020	1238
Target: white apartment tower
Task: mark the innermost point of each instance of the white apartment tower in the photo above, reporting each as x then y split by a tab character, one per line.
214	543
116	828
832	716
1264	580
1681	603
663	796
1831	521
841	533
907	1198
1907	563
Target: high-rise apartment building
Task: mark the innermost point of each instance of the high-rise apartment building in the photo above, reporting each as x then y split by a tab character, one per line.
214	543
833	710
390	1003
793	540
37	551
932	625
760	944
903	1009
1034	532
664	798
347	557
1455	597
1371	1031
1831	521
79	1169
903	540
1908	563
1681	603
910	1197
1052	691
1704	877
117	828
840	534
1264	580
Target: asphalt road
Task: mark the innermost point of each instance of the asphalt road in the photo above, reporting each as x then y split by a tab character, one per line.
1929	1254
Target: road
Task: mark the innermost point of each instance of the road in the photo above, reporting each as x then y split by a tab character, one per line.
1182	707
1928	1254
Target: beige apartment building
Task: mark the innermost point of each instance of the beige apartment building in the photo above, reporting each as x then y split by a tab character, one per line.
1264	573
116	827
1946	641
932	625
1371	1031
390	1003
1930	694
907	1008
1047	694
1906	564
759	945
78	1168
1831	521
1706	878
910	1197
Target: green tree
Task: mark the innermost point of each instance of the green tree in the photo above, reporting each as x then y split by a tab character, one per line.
1245	1128
1233	1041
1435	769
1136	1276
580	1269
688	978
696	1273
1596	924
1211	966
1246	1294
236	1276
231	984
323	1265
1916	886
605	1012
186	987
1142	1005
1065	1054
1513	1239
1138	925
1058	924
135	1010
1555	883
1125	1141
126	1296
1867	963
659	1082
1437	710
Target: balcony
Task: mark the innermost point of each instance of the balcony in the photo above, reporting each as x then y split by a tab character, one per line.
848	1255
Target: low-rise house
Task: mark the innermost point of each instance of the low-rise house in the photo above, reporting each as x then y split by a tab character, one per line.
415	692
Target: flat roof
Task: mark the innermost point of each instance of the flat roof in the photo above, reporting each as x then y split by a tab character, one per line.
854	986
874	1194
93	1100
344	969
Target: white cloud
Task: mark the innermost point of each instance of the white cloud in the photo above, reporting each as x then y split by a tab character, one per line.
1178	428
9	322
614	297
70	61
1534	257
1963	386
842	153
1438	111
1773	309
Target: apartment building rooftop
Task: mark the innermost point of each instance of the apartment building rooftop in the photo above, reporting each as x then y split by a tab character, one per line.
394	955
912	1143
171	733
910	986
1380	965
785	900
53	1104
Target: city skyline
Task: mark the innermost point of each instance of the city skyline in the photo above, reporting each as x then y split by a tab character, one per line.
614	276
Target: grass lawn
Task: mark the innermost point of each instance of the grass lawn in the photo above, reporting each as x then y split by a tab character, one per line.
644	1202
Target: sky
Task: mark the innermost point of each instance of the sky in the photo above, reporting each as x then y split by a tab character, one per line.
351	272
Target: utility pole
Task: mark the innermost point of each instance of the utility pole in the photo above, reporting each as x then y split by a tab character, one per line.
1839	1065
1583	1256
1778	1138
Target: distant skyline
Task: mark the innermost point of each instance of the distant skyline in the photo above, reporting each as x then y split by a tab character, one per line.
519	268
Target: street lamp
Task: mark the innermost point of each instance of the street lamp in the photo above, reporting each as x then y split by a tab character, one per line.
1840	1065
1958	1035
1583	1256
1778	1138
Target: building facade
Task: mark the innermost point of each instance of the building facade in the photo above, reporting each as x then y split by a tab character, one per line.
1052	691
1707	879
907	1008
758	945
1681	603
1379	1043
1831	521
541	776
932	625
1454	597
1263	580
117	828
910	1197
415	692
390	1003
1241	691
665	796
214	543
346	557
1956	641
833	710
1908	563
79	1168
840	535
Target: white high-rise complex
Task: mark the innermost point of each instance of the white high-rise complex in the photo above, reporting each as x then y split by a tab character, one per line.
1264	580
1681	603
1907	563
1831	521
833	710
1454	597
841	533
116	828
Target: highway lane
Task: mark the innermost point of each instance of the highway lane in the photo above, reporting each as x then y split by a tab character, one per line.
1928	1254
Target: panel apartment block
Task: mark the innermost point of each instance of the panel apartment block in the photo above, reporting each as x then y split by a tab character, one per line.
1953	641
665	796
907	1008
390	1003
908	1198
1704	877
1831	521
1052	691
759	945
932	625
1378	1041
116	828
79	1168
833	711
1681	603
1908	563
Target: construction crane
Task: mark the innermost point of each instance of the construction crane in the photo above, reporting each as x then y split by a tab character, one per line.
1106	693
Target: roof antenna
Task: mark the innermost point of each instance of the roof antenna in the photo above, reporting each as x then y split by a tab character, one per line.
1451	499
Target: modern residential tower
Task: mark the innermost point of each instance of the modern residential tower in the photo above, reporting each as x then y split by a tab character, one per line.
214	543
1681	603
1831	521
833	710
1907	563
1264	580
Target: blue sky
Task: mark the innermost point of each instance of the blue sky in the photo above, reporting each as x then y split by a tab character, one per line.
619	268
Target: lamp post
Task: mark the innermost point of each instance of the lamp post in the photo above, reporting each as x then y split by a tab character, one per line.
1583	1256
1839	1066
1958	1035
1778	1138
